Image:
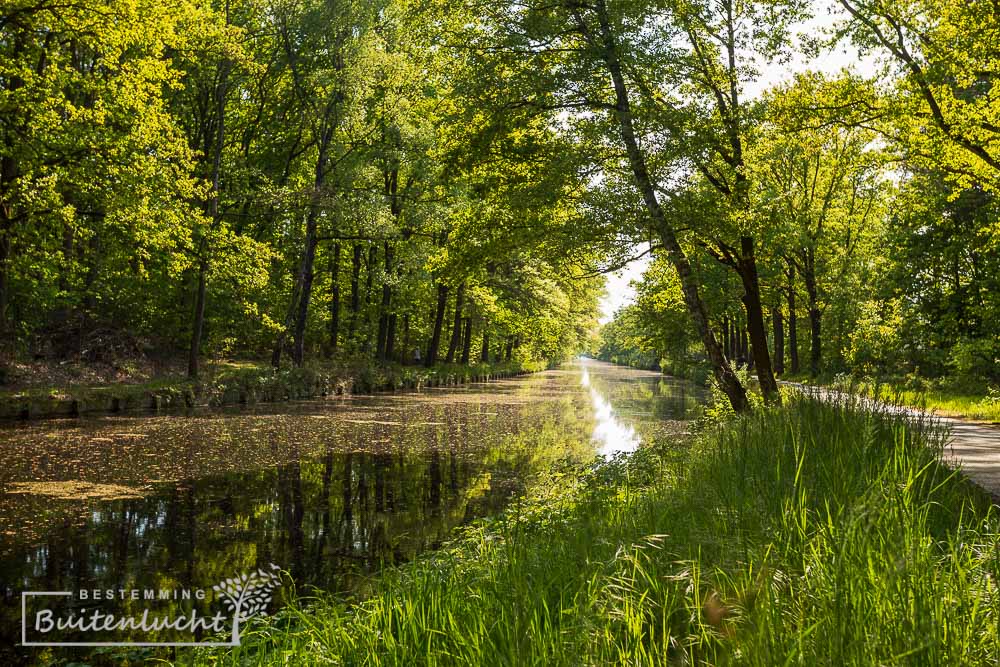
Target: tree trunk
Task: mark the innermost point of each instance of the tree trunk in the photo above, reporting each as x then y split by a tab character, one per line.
793	335
381	345
92	253
724	337
404	355
755	322
509	352
213	211
355	290
279	344
334	300
6	337
727	380
369	284
9	173
456	327
815	316
442	305
467	341
779	339
311	241
390	337
734	348
199	321
484	354
308	261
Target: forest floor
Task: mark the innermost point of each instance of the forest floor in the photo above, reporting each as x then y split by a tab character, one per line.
782	537
47	374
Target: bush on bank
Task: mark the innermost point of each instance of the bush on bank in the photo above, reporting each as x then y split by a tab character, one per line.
811	534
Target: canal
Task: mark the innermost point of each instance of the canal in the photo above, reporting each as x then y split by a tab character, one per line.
329	490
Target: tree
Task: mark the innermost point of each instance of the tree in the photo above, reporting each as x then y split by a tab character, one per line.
88	149
941	111
823	189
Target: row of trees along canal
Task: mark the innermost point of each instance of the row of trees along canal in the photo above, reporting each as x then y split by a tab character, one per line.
866	206
480	164
277	179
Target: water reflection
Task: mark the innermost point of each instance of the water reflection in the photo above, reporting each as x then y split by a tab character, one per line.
611	435
331	490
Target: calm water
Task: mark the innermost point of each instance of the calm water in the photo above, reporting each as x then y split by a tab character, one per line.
330	490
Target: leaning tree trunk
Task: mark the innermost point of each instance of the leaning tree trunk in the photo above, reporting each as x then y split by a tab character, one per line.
442	305
723	372
279	344
309	251
456	327
755	322
387	319
302	294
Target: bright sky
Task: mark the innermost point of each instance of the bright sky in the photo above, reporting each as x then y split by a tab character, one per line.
619	289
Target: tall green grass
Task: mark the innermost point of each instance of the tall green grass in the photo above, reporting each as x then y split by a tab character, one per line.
814	534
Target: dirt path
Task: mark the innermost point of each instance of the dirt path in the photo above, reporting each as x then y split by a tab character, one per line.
973	448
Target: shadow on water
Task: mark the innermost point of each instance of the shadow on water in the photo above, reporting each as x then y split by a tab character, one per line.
329	490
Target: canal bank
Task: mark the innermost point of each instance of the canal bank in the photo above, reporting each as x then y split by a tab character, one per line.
247	384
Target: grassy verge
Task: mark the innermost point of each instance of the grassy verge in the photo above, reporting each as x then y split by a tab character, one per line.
813	534
982	406
238	383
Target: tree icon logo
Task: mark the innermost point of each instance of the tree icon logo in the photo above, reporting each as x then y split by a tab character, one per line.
248	595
